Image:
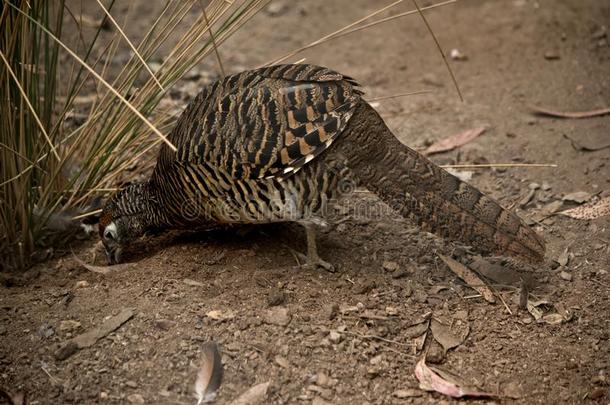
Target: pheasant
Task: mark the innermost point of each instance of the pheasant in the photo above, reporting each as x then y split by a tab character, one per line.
276	144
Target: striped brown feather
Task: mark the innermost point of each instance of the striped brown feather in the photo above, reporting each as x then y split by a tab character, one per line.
262	123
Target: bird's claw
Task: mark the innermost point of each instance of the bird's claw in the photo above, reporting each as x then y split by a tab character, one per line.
314	263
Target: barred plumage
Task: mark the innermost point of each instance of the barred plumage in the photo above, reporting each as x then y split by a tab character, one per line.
273	144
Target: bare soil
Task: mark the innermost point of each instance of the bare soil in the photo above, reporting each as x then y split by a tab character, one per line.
348	337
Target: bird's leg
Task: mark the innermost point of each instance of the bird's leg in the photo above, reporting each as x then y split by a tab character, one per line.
312	259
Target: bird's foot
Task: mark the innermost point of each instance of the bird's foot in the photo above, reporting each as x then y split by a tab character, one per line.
313	262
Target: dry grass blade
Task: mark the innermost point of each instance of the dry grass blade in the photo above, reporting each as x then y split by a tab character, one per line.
133	48
210	374
348	29
440	49
29	104
207	21
101	80
413	93
112	137
90	213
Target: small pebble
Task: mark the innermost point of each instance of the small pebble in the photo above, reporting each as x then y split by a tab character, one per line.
407	393
277	316
389	265
135	399
334	336
81	284
551	55
435	354
282	362
131	384
565	276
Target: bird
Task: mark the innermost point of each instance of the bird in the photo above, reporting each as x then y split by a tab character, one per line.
278	144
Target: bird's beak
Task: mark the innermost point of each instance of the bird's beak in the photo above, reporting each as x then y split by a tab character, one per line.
113	254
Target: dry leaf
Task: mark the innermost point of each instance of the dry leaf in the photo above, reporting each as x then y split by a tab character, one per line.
553	319
210	374
255	395
577	197
470	278
447	144
416	330
589	211
496	272
429	380
579	114
533	307
446	337
585	148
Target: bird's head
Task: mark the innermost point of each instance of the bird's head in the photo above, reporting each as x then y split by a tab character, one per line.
124	218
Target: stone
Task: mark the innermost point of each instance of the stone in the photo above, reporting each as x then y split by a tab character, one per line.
277	316
389	265
335	336
81	284
135	399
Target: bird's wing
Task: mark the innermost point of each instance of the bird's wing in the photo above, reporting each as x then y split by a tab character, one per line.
263	123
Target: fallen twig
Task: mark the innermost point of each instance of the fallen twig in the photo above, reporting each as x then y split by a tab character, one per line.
88	339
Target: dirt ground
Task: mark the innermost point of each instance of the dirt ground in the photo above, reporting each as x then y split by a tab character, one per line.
353	336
